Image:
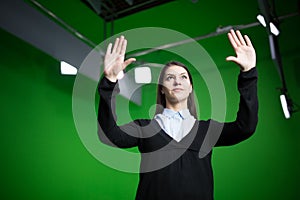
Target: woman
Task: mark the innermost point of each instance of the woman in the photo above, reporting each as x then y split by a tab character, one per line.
171	167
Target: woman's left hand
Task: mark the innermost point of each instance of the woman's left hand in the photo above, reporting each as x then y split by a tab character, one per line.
245	52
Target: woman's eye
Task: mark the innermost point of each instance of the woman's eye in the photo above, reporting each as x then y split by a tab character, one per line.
169	78
184	77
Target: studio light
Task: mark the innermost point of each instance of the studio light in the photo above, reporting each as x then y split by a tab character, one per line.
142	75
261	19
67	69
274	30
285	106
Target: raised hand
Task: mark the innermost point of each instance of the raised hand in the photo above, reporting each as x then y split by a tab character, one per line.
245	52
114	59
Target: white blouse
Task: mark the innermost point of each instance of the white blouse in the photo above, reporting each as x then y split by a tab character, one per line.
176	124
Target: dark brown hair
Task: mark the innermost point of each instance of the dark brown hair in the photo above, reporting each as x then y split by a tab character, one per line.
161	99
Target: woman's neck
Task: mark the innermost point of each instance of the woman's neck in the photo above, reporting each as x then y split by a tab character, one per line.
176	107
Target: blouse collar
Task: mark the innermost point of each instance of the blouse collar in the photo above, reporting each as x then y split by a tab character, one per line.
184	114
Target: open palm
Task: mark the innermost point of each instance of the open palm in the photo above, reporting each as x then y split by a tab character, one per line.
114	59
245	53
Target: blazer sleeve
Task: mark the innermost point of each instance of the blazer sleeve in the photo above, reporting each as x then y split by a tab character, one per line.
109	132
247	116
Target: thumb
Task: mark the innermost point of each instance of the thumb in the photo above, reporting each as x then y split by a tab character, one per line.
232	58
128	62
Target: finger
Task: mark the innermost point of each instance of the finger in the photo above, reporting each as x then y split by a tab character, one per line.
128	62
121	41
123	47
241	39
233	34
116	45
108	50
231	58
248	41
232	41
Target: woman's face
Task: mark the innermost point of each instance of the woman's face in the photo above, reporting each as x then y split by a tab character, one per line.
176	85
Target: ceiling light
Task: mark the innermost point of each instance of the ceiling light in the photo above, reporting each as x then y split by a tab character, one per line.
274	29
285	106
142	75
261	19
67	69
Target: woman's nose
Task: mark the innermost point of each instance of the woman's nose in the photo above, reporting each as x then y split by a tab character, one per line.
177	81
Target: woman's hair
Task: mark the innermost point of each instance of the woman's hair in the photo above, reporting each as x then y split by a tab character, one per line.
161	99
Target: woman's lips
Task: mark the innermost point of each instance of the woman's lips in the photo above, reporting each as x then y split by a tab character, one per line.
177	89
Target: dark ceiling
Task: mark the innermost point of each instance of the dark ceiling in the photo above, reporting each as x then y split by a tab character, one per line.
114	9
69	29
85	19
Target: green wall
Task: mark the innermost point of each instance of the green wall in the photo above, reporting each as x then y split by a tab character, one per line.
43	157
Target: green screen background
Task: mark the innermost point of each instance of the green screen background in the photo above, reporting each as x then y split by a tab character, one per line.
42	156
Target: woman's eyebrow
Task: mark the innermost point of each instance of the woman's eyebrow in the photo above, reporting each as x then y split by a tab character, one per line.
170	74
174	74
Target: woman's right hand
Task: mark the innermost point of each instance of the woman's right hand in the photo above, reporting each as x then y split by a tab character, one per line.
114	59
